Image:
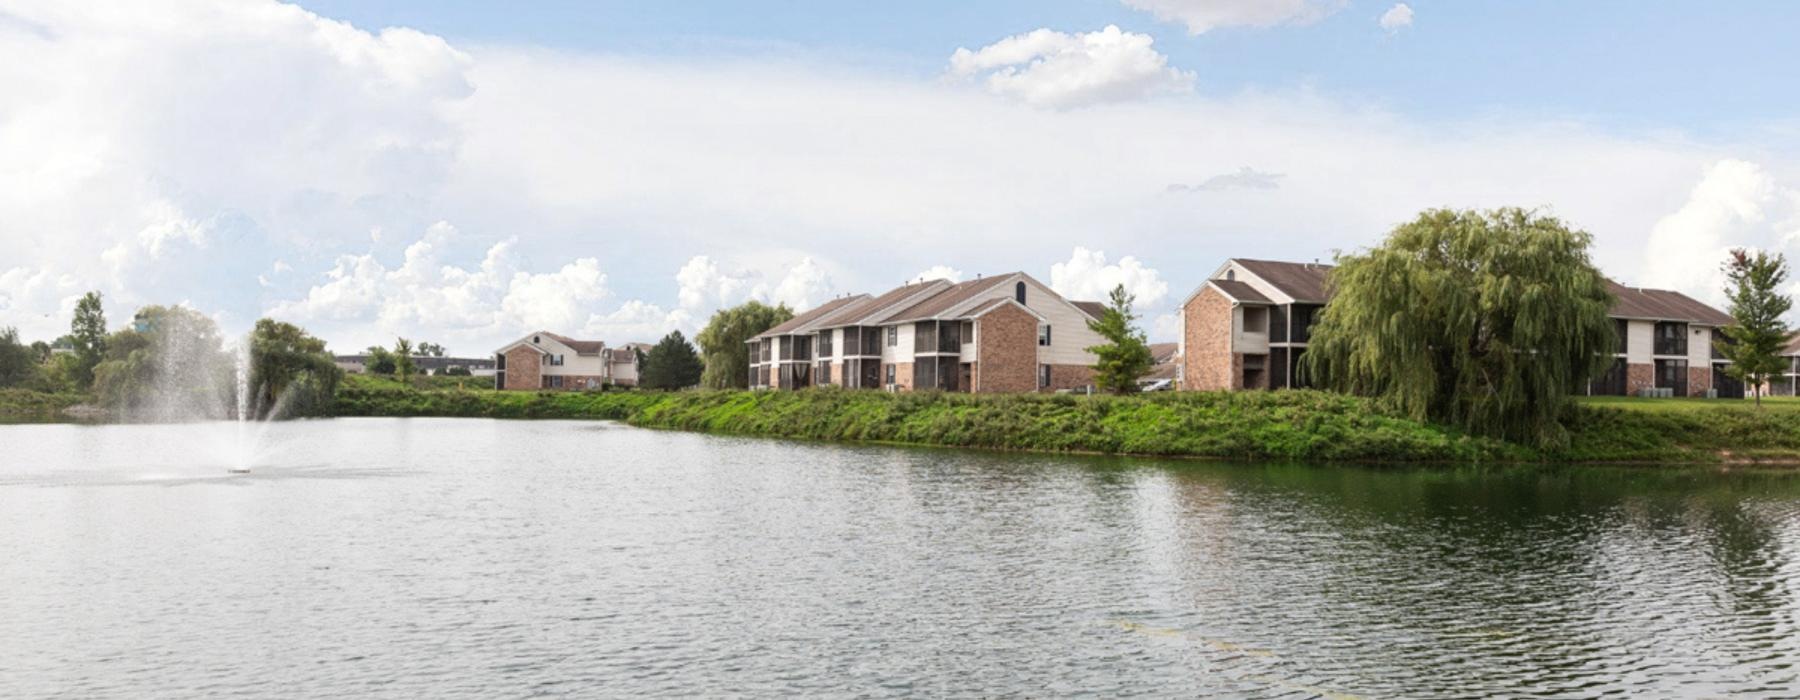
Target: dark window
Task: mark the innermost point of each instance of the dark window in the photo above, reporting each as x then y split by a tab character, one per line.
925	374
1229	274
893	336
1622	335
500	362
1043	376
890	375
1725	385
1611	382
1672	374
1303	319
1671	338
870	377
499	380
824	373
871	341
1278	323
1044	334
824	343
925	336
1019	292
534	340
1278	368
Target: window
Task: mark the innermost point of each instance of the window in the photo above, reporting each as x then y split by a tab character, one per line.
1019	292
556	360
893	336
824	373
556	382
824	343
1044	335
1231	274
534	340
890	375
1043	376
500	362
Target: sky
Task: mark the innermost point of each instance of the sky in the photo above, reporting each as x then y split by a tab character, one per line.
468	172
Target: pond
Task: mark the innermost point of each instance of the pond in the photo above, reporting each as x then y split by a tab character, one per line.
434	558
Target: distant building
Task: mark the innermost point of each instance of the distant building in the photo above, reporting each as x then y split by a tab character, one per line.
1248	325
1007	333
1164	368
545	360
477	366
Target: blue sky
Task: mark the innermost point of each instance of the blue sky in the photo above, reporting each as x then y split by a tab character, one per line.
468	172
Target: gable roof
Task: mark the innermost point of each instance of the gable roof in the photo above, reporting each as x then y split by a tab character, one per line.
1164	353
871	312
1240	291
1094	309
932	306
800	320
1662	305
984	307
582	347
1305	282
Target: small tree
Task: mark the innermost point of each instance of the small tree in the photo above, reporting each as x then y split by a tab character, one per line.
88	333
290	371
380	361
1758	335
1482	320
20	365
403	360
1126	355
672	364
724	342
430	350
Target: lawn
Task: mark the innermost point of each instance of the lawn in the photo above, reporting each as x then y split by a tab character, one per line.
1685	405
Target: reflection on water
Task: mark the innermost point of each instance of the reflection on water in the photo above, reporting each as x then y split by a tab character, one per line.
426	557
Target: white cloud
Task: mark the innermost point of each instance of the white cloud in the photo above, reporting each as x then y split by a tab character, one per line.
1726	210
702	283
1047	68
1245	178
1398	17
940	272
1165	328
1086	276
1202	16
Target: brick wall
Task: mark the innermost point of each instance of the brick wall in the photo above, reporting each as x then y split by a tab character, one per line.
1207	363
1006	350
1070	377
1639	376
1699	380
524	369
903	375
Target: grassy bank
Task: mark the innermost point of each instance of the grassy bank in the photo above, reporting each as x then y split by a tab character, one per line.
1252	425
23	405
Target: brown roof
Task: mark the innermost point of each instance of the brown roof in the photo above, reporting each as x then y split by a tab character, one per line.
1165	370
1793	345
1663	305
1240	291
1305	282
870	314
581	347
1094	309
794	324
945	300
1164	353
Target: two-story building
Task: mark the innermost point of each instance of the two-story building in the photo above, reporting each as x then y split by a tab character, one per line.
545	360
1248	325
1006	333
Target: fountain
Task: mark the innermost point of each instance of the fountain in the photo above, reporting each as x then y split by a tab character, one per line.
198	386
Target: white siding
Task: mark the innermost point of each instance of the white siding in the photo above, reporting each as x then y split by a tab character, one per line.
1069	335
901	351
1256	283
1699	346
1640	337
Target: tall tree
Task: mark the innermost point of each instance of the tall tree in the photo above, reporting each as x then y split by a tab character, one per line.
403	360
88	332
290	371
1755	341
19	363
1482	320
671	364
1126	355
430	350
722	342
171	362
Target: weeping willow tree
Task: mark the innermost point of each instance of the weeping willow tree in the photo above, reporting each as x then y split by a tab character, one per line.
1482	320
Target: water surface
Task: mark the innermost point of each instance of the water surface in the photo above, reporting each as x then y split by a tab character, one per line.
440	558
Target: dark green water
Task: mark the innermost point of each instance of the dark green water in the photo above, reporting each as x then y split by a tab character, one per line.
431	558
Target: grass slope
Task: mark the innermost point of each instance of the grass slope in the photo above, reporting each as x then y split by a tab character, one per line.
26	405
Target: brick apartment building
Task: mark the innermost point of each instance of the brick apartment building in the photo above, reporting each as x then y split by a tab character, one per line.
1248	326
545	360
1006	333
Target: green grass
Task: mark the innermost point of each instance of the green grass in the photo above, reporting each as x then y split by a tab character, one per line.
1771	403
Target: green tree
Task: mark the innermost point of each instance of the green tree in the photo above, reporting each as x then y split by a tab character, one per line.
20	366
430	350
403	360
1758	335
41	350
723	342
88	333
672	364
1482	320
380	361
1126	354
175	368
290	371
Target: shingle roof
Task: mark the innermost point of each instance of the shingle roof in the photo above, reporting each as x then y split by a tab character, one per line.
581	347
871	313
943	301
1793	345
1241	291
795	324
1663	305
1094	309
1305	282
1164	353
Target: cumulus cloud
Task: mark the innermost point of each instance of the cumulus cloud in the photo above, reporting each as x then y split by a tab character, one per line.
940	272
1087	276
1727	209
1244	179
1202	16
1048	68
705	285
1398	17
